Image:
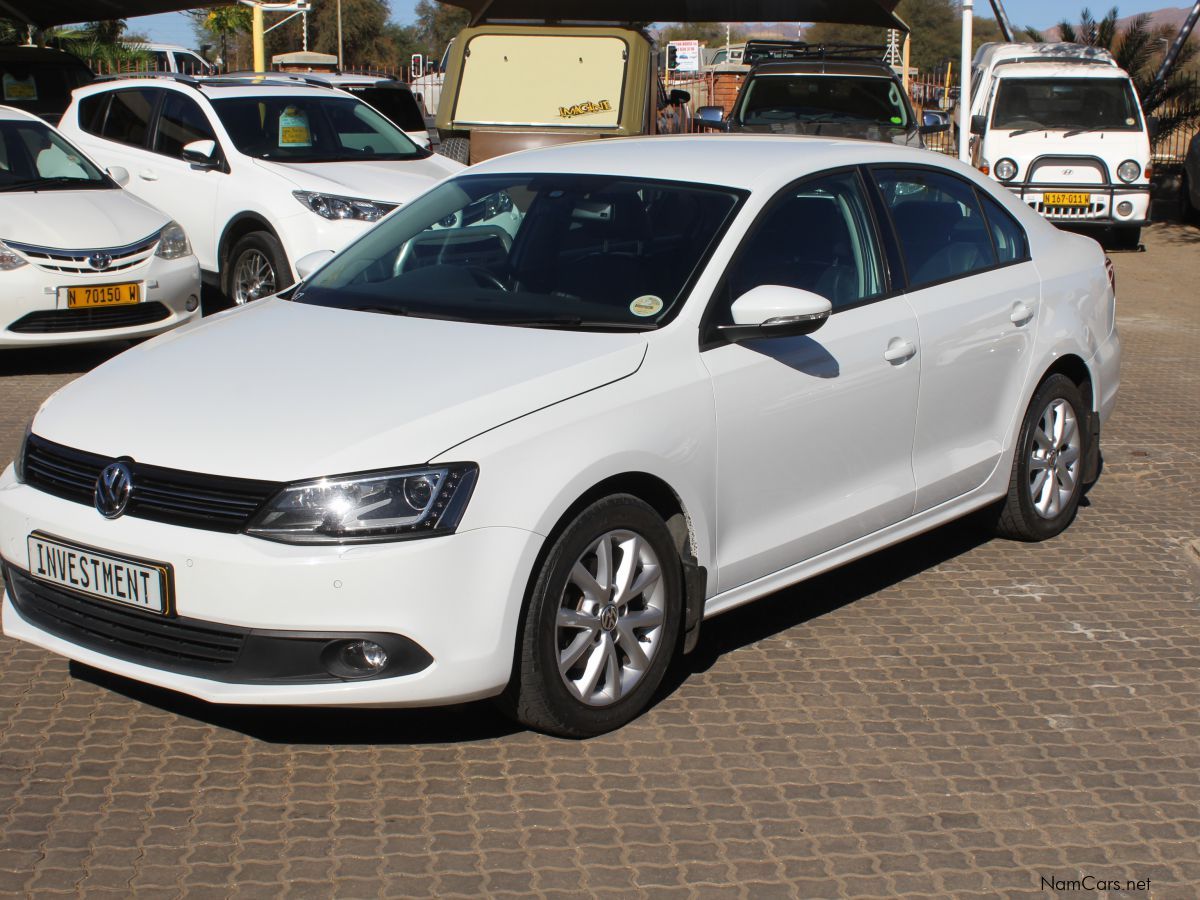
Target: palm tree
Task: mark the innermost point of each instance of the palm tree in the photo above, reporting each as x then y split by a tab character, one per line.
1136	47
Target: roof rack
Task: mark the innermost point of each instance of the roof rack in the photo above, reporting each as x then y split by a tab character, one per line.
182	78
260	77
769	51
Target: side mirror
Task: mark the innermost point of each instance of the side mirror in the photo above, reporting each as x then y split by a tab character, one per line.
772	310
678	97
119	174
978	124
310	262
201	153
710	114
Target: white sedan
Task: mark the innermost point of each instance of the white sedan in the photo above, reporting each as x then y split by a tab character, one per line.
81	259
520	439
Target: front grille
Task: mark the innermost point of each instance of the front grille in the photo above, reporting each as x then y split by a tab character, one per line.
87	262
1091	211
190	499
55	321
125	633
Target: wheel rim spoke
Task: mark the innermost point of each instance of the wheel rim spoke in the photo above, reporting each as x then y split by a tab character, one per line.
609	622
1053	459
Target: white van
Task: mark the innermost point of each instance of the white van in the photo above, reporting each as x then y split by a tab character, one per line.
1068	136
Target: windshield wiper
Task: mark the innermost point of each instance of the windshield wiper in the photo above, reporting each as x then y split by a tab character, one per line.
569	322
1021	131
1083	131
36	184
389	310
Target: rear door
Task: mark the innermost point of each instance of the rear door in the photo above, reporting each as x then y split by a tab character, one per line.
115	128
976	295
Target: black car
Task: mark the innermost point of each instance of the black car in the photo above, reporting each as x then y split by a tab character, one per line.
39	80
797	89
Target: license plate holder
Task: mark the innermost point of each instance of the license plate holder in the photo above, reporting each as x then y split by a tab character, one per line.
1076	199
101	575
91	296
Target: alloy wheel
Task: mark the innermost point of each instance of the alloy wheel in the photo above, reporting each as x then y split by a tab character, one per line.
253	277
1054	459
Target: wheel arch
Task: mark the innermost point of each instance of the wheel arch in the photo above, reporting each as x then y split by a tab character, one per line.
238	227
664	500
1072	366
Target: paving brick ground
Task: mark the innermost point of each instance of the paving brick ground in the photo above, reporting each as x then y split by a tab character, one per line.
957	716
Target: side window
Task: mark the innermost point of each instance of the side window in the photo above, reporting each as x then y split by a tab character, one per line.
161	63
129	117
1007	234
817	237
91	112
190	63
941	227
180	122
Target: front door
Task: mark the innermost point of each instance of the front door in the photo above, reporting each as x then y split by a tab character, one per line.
814	433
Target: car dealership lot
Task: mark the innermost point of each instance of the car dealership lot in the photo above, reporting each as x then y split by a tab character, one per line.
950	715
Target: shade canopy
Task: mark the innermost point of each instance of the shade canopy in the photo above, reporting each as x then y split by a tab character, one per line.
44	13
849	12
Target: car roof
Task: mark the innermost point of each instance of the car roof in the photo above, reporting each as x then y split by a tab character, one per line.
857	67
215	88
10	114
997	52
14	53
751	162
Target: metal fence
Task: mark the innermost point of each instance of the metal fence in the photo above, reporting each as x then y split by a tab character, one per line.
1171	148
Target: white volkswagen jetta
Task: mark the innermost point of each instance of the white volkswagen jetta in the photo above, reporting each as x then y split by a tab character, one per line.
81	259
523	436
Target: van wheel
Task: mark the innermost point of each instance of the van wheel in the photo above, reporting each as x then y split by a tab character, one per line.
256	267
457	149
1047	473
602	623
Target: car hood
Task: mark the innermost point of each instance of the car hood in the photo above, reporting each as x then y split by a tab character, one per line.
77	220
862	130
284	391
392	182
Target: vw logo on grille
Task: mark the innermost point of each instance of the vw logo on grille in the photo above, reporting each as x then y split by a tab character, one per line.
112	489
100	261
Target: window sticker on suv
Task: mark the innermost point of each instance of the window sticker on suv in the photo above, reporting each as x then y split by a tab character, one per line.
293	128
19	88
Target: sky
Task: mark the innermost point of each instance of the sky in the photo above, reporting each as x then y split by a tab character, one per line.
174	28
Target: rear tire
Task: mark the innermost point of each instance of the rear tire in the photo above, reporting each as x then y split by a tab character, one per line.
256	267
602	622
1047	474
457	149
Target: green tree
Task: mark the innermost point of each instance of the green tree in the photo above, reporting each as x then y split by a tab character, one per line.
365	34
437	24
224	25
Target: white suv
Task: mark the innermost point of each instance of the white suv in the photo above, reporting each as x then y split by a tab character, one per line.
259	172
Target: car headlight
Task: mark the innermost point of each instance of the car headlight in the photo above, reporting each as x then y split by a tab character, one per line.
10	260
1006	170
173	242
328	206
374	506
1128	171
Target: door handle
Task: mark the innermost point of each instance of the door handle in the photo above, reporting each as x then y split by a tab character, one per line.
1021	313
148	175
898	350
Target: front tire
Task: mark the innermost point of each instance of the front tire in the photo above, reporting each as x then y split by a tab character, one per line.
256	267
1047	475
602	622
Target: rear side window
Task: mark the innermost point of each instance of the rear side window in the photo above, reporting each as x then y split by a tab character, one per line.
180	122
1009	237
941	228
129	117
91	112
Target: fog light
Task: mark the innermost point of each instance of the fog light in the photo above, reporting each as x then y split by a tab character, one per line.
362	657
193	303
1124	208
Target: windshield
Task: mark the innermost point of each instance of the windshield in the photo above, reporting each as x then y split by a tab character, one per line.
38	86
805	99
573	251
34	157
1099	104
396	103
504	81
312	129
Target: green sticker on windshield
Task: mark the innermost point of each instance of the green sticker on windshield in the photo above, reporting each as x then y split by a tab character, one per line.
896	120
19	88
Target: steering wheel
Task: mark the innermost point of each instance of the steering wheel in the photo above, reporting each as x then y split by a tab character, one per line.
485	278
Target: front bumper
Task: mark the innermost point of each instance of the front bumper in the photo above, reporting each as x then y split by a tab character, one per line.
456	598
1103	208
32	304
